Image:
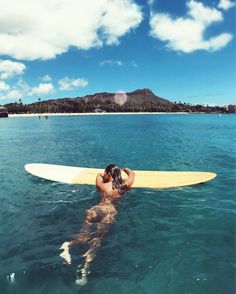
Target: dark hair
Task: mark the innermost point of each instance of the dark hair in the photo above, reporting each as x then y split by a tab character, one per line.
117	181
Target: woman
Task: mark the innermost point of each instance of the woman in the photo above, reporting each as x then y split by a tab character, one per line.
111	187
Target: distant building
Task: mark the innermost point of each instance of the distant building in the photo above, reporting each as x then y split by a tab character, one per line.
3	111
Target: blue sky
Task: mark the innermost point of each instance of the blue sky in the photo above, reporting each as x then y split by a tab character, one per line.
181	50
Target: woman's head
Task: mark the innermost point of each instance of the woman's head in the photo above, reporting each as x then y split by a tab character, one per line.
113	173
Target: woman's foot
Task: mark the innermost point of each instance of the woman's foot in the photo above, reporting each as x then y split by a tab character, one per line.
65	253
81	276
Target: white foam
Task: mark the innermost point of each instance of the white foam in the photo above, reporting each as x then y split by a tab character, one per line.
11	278
82	281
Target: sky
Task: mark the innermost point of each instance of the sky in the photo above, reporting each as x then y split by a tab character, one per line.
182	50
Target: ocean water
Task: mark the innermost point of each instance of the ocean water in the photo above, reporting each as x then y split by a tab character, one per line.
163	241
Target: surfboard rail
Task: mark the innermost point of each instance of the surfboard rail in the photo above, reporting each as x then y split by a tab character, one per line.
143	178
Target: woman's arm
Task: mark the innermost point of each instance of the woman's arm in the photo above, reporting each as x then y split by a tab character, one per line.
100	182
131	175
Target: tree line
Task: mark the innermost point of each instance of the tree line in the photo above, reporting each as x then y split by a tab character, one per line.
82	106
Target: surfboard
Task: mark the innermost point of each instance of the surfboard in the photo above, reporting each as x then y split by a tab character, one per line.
143	178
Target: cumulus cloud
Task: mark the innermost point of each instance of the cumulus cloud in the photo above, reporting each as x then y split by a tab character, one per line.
10	68
111	62
70	84
19	90
22	89
186	34
4	86
46	78
43	29
225	4
14	94
42	89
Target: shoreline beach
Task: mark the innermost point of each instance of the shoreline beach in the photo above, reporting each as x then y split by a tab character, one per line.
88	113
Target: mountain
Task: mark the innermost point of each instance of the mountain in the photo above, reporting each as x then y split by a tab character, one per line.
145	95
141	100
138	96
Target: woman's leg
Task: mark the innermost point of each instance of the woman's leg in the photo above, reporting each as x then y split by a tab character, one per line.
99	218
94	243
81	238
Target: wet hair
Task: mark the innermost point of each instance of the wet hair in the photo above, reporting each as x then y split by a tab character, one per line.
117	181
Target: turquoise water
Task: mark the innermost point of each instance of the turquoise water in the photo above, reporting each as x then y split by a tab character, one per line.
167	241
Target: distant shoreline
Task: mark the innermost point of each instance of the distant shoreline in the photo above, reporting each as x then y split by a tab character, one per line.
89	113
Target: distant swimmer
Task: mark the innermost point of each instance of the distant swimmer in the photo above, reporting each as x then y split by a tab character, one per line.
96	224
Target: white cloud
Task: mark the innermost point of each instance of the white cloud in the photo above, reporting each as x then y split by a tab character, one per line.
4	86
203	14
186	34
14	94
70	84
46	78
42	89
22	86
10	68
43	29
111	62
19	90
226	4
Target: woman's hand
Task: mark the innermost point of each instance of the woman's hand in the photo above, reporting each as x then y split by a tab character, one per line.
126	170
129	181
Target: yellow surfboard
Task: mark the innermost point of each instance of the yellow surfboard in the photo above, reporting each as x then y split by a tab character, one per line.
143	179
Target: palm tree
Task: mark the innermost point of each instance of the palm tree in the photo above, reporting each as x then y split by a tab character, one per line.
39	100
20	105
